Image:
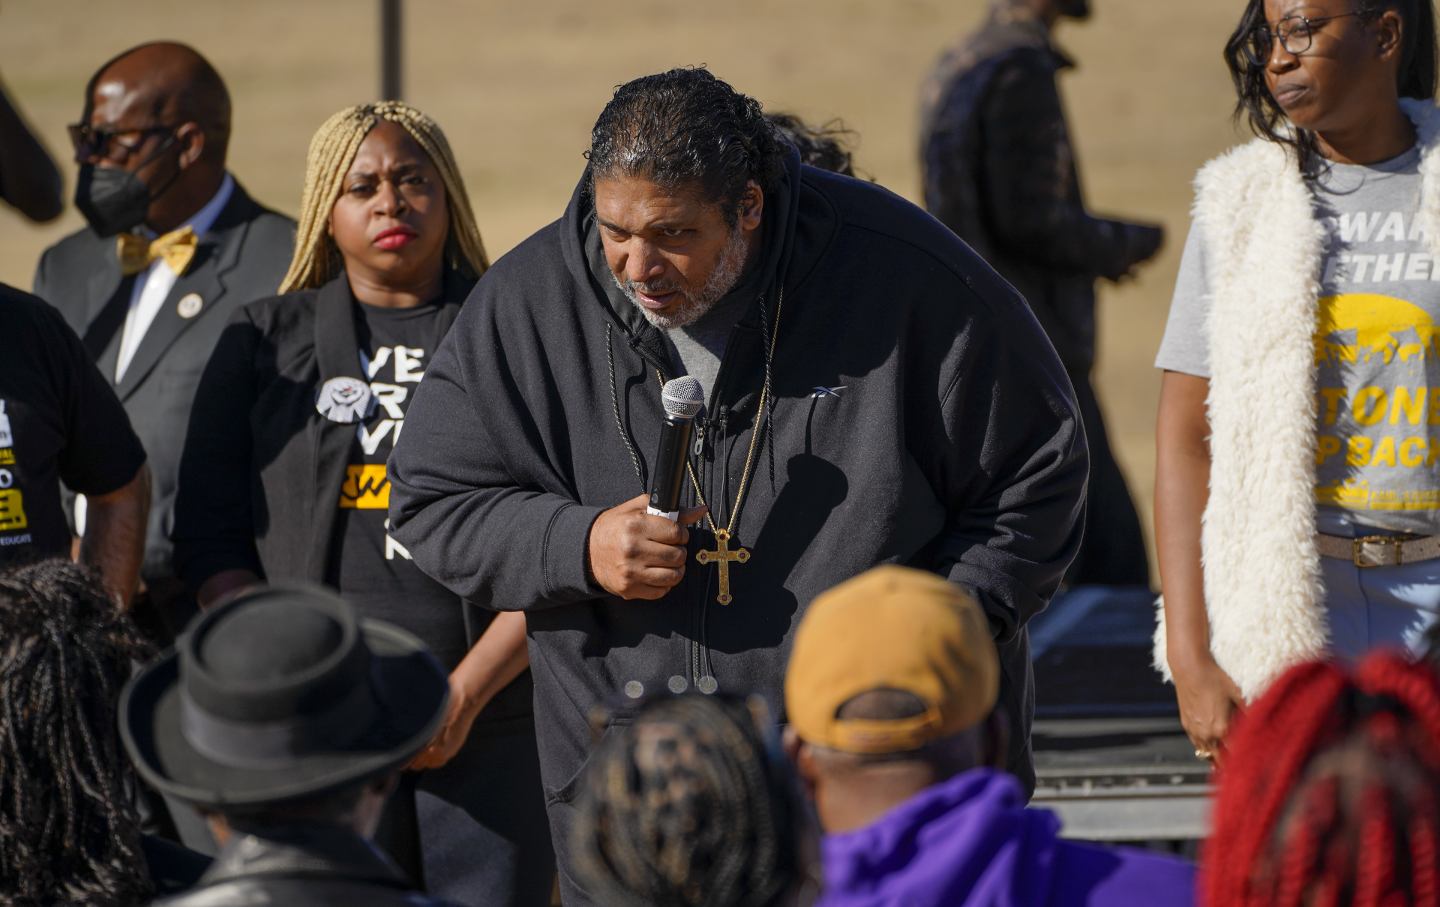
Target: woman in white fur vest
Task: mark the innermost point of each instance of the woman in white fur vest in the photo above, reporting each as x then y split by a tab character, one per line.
1297	500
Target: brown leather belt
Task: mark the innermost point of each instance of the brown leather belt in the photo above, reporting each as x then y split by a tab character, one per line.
1379	550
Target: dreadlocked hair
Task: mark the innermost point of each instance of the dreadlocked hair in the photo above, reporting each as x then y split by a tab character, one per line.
1330	794
1267	120
333	150
683	808
68	829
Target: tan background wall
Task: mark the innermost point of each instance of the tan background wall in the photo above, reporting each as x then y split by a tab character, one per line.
517	85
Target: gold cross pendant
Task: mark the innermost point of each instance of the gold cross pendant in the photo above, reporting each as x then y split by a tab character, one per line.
722	557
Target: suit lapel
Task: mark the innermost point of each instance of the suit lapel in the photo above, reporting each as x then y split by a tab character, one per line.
108	301
105	280
205	278
337	353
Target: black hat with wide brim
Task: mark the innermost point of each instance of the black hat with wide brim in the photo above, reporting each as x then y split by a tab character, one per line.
280	694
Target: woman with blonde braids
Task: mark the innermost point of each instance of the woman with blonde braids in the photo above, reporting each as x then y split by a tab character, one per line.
284	478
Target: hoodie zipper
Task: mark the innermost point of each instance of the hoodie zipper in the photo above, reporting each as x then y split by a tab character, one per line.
709	438
710	433
702	452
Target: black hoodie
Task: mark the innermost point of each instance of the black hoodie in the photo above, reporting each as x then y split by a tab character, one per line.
950	441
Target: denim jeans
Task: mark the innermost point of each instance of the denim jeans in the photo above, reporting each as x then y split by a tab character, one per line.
1376	607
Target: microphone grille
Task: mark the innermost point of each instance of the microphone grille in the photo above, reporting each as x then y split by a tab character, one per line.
682	397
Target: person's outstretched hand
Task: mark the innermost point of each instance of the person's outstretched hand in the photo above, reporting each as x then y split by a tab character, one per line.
1142	242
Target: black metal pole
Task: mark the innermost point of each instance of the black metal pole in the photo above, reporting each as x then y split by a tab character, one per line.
391	50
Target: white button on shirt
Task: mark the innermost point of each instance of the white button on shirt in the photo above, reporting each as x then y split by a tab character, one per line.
154	284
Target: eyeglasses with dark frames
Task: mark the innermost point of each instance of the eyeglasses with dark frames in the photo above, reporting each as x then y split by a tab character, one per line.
106	143
1295	33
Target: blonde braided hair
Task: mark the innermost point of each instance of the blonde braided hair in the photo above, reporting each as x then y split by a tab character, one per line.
333	150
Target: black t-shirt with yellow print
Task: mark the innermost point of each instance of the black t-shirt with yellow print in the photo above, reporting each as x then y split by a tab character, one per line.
59	421
370	568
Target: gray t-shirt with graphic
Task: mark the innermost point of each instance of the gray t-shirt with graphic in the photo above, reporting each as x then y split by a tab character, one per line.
1377	346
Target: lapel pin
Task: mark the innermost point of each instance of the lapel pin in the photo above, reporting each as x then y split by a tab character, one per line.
189	305
344	400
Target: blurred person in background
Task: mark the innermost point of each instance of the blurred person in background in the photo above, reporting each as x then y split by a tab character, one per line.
291	774
29	179
999	169
1297	507
173	246
690	806
284	478
824	146
61	422
69	832
1330	791
895	735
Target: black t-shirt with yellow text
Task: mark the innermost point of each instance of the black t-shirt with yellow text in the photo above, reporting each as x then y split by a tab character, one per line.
370	568
59	421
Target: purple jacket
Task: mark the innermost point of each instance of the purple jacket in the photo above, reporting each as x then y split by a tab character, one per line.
970	842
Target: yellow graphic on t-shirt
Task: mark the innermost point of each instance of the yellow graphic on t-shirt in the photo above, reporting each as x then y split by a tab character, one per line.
1387	416
1358	495
7	456
12	510
365	488
1357	327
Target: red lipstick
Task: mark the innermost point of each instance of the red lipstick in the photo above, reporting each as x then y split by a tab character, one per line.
395	238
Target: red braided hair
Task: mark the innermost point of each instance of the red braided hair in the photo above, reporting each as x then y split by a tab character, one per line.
1330	793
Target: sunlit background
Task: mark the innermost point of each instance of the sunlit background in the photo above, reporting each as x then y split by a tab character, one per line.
516	86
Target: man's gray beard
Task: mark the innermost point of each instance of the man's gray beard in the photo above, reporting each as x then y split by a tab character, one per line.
722	280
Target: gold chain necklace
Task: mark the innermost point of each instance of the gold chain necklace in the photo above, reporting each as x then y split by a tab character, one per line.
722	556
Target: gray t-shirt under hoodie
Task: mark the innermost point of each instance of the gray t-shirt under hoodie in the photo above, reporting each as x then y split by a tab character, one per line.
1377	346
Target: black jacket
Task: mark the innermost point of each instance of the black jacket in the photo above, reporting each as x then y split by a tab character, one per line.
173	867
312	865
1000	171
243	257
950	441
262	469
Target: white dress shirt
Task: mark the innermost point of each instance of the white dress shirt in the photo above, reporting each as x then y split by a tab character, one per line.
154	284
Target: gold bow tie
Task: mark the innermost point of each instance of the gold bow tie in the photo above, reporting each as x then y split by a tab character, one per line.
136	252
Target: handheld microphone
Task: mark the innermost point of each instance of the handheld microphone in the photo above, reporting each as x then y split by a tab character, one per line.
682	397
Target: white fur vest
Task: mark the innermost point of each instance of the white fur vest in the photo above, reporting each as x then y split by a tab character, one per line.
1264	250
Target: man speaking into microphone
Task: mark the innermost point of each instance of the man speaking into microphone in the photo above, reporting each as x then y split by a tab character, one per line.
873	393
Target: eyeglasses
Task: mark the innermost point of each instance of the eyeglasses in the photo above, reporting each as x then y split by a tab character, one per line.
105	143
1296	34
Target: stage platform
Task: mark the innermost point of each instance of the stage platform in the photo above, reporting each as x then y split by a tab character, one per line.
1110	755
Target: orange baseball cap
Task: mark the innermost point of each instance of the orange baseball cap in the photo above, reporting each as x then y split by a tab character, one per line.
891	628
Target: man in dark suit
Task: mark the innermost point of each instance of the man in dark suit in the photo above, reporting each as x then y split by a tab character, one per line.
174	245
